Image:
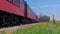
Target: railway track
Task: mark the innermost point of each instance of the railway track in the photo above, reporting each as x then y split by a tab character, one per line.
18	27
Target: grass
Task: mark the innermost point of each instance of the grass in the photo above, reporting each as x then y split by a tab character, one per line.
2	32
41	28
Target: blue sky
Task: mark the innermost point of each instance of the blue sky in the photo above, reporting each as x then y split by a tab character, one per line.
45	7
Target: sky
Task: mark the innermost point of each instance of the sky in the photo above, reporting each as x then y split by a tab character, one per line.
45	7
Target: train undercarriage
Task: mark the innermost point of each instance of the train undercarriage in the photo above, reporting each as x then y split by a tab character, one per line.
8	20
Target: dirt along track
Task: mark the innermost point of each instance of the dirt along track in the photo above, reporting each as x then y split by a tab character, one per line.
18	27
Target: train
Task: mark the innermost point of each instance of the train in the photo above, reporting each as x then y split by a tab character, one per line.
16	12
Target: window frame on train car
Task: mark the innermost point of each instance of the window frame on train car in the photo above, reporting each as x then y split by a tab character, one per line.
17	3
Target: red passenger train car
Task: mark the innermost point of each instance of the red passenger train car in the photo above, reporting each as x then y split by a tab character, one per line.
16	12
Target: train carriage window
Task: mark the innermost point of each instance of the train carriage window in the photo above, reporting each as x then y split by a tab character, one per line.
17	2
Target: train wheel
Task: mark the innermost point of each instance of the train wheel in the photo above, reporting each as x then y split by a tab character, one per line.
13	20
5	20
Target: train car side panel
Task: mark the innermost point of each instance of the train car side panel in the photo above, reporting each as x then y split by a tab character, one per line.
31	14
11	8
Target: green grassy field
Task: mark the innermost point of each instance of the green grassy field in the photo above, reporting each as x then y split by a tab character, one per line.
41	28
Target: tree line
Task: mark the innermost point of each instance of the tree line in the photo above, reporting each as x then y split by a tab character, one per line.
44	18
